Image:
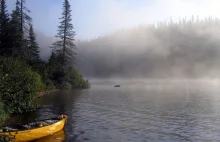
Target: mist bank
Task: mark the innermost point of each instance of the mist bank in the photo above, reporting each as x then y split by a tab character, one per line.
187	49
146	82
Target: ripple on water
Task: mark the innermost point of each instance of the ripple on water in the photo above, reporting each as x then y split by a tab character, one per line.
150	113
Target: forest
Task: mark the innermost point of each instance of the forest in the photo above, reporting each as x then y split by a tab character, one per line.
31	62
188	48
23	74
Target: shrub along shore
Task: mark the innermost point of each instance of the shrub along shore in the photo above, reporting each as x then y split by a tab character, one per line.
22	83
23	75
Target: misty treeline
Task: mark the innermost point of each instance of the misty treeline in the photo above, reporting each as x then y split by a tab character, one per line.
23	74
185	49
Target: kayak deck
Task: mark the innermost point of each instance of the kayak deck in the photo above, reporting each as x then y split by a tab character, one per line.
32	131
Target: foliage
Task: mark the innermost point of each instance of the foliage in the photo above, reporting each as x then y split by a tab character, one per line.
56	70
75	78
184	49
62	57
19	29
32	48
65	78
4	30
15	34
25	18
65	86
22	73
3	114
54	64
19	85
43	69
64	46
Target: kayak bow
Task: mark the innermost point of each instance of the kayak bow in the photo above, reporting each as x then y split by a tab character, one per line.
33	131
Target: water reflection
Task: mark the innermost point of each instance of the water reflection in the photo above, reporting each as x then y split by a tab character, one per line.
154	112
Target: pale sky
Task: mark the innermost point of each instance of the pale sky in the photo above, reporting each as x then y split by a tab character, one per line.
92	18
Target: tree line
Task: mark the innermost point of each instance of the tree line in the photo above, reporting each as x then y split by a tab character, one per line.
22	72
18	39
188	48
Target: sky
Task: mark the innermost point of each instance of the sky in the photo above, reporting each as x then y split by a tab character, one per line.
94	18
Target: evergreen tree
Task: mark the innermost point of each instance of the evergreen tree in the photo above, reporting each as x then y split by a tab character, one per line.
53	64
20	29
25	22
5	48
25	19
33	48
64	47
16	35
53	59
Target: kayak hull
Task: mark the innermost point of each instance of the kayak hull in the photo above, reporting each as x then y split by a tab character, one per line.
36	133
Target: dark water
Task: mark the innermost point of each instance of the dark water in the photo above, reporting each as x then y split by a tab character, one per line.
155	111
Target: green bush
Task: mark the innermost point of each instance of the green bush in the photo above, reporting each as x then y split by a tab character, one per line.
66	86
19	85
43	70
65	77
2	113
49	84
75	78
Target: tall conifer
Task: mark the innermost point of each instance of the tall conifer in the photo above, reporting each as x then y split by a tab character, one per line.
5	48
15	33
33	48
64	46
20	29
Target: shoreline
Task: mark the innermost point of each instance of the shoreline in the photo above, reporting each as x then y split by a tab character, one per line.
43	93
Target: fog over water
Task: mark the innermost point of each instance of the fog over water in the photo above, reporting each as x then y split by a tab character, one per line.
187	49
169	77
168	111
168	72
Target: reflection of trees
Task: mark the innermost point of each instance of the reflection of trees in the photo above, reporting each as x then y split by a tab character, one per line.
64	103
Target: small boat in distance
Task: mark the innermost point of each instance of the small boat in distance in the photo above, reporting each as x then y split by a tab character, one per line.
117	86
32	131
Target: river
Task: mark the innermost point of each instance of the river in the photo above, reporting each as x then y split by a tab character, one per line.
150	111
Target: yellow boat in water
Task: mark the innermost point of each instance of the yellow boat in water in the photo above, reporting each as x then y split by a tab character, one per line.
57	137
32	131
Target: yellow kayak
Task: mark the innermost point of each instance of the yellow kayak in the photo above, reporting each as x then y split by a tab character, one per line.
32	131
57	137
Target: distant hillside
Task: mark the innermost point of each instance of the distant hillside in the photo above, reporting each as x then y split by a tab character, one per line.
185	49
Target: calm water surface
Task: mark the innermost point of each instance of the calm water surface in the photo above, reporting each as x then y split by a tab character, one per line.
155	111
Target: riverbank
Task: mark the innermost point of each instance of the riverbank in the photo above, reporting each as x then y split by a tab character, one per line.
42	93
22	83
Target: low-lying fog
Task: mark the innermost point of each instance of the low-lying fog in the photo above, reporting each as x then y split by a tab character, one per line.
189	49
154	82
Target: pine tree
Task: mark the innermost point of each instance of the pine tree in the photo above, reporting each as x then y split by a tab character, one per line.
20	29
25	22
25	19
53	63
16	35
5	48
33	48
52	59
65	46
